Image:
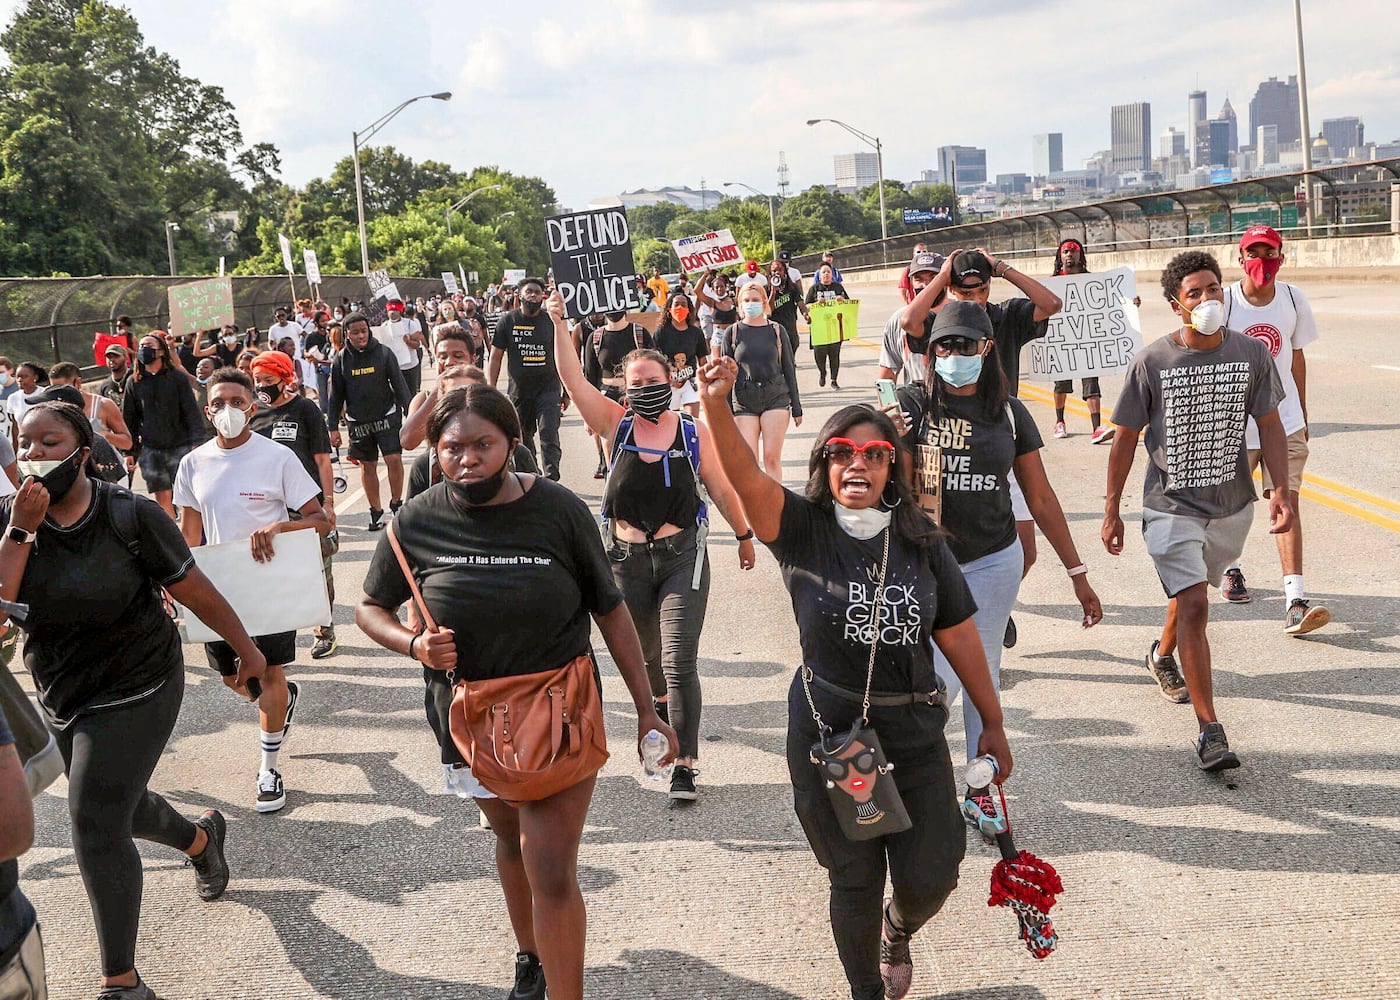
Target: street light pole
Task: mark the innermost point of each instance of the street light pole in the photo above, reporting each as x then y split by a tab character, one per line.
1303	118
170	229
469	197
356	139
772	218
869	140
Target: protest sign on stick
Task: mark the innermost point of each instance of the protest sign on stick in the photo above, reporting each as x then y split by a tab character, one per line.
591	256
449	282
1097	332
834	321
201	305
713	250
313	266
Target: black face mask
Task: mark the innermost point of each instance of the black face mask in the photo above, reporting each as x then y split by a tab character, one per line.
483	491
147	355
614	317
650	401
269	394
60	481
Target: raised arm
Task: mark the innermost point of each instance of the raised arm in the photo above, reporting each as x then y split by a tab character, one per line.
762	497
1047	303
917	311
597	410
722	493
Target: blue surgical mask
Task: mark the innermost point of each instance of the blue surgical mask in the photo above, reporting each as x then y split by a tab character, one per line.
959	370
753	309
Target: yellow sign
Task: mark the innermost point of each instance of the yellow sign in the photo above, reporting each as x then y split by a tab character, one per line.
834	321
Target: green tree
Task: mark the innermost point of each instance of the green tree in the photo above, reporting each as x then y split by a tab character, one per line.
651	220
649	253
818	209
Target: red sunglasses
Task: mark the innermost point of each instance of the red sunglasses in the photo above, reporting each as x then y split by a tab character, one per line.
843	451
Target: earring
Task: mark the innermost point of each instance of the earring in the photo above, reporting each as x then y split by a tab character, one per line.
885	499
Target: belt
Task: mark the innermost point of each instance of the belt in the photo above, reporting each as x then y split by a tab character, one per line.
934	697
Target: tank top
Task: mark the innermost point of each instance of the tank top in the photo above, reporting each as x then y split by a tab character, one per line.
637	492
98	424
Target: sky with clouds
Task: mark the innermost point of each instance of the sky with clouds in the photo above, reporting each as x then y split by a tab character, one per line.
601	96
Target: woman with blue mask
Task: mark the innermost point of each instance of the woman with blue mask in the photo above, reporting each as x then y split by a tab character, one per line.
765	392
968	435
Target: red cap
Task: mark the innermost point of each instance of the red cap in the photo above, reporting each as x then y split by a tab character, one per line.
1261	234
394	307
751	267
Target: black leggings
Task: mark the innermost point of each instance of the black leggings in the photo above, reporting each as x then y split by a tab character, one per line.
109	756
922	862
831	353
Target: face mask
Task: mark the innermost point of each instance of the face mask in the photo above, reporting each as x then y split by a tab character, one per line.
230	341
269	394
481	492
4	378
229	422
866	523
959	370
147	355
753	309
615	317
650	401
204	380
56	477
1208	317
339	315
680	313
1261	270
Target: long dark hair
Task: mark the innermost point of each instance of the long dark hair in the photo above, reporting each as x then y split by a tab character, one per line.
692	321
909	521
75	418
992	388
490	404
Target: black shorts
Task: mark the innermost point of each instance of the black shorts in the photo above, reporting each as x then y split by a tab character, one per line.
277	649
757	398
1091	387
159	465
369	439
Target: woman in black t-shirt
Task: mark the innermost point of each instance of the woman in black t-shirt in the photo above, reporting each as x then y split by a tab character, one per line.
89	559
785	302
533	547
830	544
967	427
765	395
824	290
658	528
679	337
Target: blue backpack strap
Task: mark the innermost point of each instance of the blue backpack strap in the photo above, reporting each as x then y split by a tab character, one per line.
690	434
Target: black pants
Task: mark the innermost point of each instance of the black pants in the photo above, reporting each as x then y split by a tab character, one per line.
414	377
539	411
922	863
655	579
831	353
109	756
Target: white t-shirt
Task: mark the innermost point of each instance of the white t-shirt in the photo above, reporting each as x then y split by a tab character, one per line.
393	336
277	331
745	279
239	490
16	406
1284	325
895	354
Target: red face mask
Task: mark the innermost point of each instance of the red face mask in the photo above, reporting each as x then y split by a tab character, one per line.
1261	270
681	313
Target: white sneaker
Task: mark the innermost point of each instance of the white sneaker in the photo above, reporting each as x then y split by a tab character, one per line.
44	768
449	787
466	786
1060	431
272	796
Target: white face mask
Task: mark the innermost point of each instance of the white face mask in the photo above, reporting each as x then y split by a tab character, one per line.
866	523
229	422
1208	317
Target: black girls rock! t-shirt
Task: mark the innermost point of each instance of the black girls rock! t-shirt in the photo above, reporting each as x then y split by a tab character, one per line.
832	579
538	562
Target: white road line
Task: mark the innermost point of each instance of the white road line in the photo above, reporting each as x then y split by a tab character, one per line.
1387	368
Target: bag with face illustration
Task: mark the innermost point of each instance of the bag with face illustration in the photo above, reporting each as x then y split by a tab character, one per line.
860	784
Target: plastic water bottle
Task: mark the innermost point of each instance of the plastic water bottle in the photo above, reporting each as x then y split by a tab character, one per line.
654	747
980	771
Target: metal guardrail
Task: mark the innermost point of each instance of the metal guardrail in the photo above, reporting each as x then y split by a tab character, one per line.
54	319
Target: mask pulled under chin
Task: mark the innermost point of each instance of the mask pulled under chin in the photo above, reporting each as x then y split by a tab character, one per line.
481	492
864	523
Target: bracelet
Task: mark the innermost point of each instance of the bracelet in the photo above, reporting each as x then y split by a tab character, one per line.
1079	570
416	636
745	536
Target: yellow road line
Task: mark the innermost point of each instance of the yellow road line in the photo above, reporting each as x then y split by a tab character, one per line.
1311	484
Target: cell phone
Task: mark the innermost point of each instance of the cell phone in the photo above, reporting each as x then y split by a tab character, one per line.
884	389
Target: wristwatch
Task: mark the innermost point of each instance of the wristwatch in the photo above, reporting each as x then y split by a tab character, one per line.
19	536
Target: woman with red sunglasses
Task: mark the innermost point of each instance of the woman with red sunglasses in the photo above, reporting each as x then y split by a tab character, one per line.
867	570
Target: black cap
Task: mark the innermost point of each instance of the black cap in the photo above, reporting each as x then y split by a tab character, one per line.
57	394
962	319
926	260
785	255
971	264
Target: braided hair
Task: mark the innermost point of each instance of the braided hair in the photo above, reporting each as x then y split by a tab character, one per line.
76	419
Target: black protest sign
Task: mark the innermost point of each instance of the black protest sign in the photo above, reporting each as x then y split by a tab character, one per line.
591	256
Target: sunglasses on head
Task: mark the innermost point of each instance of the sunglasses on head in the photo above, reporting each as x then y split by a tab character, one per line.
843	451
863	762
965	346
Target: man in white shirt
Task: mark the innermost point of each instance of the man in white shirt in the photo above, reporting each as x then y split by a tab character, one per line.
1279	315
241	485
284	327
751	274
404	336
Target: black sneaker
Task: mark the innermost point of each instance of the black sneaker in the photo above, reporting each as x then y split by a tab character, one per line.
1232	586
272	794
1302	618
376	519
683	784
293	696
529	977
138	992
896	964
210	868
1213	751
1164	669
602	471
395	506
1009	639
324	645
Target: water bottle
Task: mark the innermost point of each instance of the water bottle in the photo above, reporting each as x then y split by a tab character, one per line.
654	747
980	772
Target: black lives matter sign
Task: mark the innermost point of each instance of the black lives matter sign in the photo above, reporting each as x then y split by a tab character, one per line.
591	256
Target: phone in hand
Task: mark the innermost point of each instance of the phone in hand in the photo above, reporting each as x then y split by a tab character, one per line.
884	389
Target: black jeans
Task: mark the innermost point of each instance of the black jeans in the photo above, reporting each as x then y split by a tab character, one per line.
539	411
922	863
655	579
828	353
109	756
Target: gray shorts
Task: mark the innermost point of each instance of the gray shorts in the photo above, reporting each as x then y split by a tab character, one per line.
159	465
757	398
1190	550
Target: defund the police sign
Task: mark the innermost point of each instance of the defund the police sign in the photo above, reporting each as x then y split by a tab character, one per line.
591	256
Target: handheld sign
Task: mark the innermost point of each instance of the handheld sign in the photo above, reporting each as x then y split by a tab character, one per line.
513	276
591	256
834	321
200	305
287	592
313	266
286	245
713	250
1097	332
449	282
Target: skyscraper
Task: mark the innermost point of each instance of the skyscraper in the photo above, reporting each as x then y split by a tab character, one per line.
1276	103
1172	143
1227	114
1195	114
964	165
1132	137
855	171
1048	153
1218	143
1266	145
1344	135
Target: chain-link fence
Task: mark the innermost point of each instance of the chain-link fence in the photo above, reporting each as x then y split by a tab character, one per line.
54	319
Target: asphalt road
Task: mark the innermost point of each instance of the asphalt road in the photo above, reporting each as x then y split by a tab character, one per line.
1277	880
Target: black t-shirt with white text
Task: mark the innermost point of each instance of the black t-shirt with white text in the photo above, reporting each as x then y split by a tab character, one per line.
299	425
529	348
683	348
1014	326
538	560
832	579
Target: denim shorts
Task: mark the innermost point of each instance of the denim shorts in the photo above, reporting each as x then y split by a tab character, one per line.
756	398
159	466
